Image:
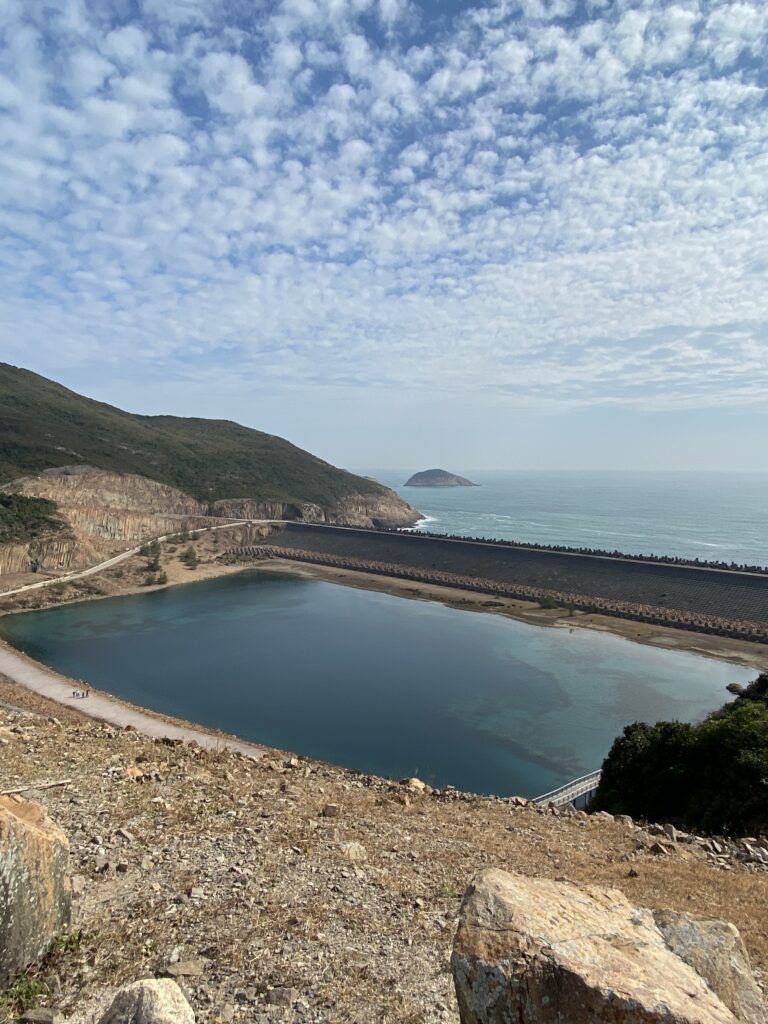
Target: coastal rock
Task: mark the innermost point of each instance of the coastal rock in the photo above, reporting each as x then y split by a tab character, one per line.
34	889
715	950
535	951
152	1001
438	478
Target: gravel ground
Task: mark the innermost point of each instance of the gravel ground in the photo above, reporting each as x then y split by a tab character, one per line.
286	890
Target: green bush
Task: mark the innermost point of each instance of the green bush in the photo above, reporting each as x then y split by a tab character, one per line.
189	557
710	777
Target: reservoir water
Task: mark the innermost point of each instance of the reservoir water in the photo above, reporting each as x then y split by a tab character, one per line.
378	683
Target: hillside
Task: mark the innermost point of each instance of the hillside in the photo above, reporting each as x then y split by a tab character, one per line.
286	890
44	425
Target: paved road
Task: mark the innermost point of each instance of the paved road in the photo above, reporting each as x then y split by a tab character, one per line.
49	684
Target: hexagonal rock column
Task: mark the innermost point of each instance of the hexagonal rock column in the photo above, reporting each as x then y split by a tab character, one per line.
536	951
34	888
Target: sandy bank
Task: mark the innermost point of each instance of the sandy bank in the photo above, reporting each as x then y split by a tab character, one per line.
130	578
737	651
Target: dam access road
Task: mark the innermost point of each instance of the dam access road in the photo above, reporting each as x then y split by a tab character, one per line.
704	599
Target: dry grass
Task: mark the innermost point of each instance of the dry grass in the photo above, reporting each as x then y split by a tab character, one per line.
283	906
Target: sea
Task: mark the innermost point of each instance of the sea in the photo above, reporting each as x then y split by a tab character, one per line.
709	516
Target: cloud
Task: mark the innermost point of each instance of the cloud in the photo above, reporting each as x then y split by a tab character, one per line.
553	202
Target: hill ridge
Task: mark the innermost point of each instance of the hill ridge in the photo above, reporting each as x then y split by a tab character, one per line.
44	425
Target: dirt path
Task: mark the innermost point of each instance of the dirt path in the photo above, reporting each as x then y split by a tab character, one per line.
48	683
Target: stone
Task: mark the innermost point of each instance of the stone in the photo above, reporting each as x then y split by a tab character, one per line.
625	820
659	850
415	784
715	950
185	969
42	1015
670	832
331	811
152	1001
282	996
353	851
35	898
535	951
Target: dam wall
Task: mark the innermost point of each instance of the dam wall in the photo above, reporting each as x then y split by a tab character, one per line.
687	590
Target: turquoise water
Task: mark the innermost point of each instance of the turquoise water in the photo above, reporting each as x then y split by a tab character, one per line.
692	515
375	682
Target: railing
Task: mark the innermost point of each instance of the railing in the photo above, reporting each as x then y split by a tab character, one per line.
582	789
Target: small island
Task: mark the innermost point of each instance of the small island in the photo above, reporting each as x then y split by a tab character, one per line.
438	478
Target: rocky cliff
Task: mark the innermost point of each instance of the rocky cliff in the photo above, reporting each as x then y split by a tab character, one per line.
364	510
105	513
108	512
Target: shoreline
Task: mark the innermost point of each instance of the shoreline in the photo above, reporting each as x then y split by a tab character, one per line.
31	681
739	652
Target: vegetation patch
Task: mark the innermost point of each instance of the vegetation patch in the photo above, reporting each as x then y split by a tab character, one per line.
23	519
710	777
44	426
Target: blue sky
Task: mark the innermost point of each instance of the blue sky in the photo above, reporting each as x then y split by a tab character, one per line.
524	234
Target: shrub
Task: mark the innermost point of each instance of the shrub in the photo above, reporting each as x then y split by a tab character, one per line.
23	518
190	558
711	777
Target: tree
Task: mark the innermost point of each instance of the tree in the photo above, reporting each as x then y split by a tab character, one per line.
712	776
190	558
151	552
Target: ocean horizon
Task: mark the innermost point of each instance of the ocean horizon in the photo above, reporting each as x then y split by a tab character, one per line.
709	515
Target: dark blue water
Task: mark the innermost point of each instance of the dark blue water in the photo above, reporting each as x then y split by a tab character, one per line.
719	516
374	682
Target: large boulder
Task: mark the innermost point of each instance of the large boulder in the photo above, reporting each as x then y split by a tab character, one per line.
534	951
715	950
34	888
152	1001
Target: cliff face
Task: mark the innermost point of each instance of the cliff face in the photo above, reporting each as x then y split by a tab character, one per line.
85	487
58	553
105	514
365	510
108	512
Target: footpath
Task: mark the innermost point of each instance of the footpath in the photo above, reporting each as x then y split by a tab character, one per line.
48	683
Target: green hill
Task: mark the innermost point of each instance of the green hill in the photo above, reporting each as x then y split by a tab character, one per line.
44	425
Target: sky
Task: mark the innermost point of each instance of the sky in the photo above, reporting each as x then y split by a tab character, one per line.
515	234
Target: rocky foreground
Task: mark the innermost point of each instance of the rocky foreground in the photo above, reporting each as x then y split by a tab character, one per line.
285	890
